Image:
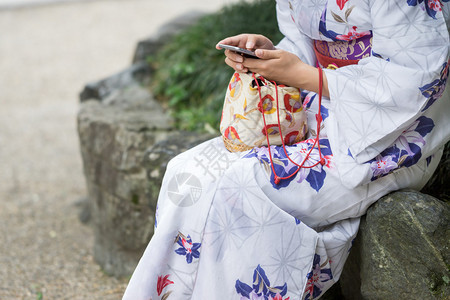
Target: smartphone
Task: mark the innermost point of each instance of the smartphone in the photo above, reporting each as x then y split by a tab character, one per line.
245	52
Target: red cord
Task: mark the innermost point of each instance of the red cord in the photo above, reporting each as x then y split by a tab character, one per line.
321	161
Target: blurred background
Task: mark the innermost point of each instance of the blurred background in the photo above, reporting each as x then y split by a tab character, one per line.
49	50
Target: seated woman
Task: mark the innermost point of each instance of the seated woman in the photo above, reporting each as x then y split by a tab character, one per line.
226	230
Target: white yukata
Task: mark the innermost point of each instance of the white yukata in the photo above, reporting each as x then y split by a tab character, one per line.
225	230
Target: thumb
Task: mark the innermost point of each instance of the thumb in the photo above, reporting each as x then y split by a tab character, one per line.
267	54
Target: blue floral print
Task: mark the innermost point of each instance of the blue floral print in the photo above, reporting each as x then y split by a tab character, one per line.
261	289
430	6
435	89
315	176
406	150
316	278
187	248
383	165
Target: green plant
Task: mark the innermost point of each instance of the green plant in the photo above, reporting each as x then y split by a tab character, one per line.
190	74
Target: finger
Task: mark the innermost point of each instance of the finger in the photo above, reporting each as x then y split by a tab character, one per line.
227	41
268	54
234	56
252	40
257	41
237	40
254	64
236	66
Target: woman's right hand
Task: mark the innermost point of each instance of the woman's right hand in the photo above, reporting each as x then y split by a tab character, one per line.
246	41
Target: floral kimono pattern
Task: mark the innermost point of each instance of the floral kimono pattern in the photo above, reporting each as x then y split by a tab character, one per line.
226	230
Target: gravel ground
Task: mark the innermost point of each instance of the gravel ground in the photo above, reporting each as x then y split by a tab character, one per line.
47	54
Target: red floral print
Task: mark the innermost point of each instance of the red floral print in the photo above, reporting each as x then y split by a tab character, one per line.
341	3
162	283
352	35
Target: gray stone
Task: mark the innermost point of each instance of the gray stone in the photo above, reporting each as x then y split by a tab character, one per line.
401	251
114	135
138	73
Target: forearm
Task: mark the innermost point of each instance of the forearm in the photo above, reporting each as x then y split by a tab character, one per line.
307	78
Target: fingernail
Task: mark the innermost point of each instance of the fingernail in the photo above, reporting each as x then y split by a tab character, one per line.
239	66
259	52
239	59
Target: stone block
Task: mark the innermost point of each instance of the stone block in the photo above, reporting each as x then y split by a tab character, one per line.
401	251
139	72
115	133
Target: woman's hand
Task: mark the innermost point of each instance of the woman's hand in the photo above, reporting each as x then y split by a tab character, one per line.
277	65
285	68
246	41
274	64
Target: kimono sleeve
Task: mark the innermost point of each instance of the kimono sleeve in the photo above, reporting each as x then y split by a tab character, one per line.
294	40
374	101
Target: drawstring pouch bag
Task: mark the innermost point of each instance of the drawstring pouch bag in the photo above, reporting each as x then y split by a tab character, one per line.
259	112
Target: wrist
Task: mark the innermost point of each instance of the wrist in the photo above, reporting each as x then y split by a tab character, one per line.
308	79
307	75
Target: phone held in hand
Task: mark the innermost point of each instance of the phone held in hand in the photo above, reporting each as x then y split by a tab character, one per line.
244	52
